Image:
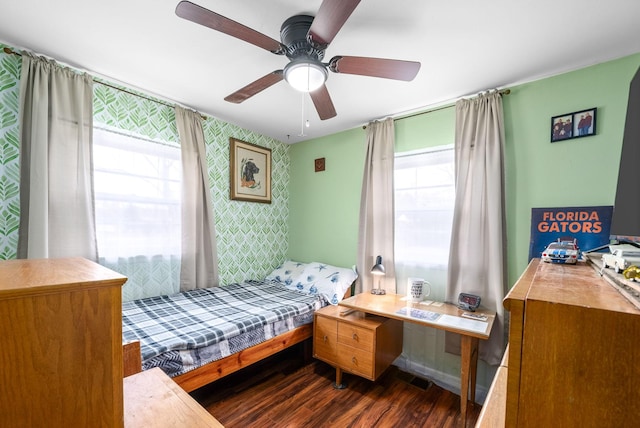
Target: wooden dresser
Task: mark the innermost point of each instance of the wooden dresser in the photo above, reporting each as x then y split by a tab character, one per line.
574	350
60	344
364	345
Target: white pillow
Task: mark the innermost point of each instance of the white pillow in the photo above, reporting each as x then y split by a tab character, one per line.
330	281
287	272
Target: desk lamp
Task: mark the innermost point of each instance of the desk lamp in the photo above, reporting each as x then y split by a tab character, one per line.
378	271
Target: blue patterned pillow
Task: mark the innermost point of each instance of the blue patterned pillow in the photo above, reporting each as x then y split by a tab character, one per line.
330	281
287	272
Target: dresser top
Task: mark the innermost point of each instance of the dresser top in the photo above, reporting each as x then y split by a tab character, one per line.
43	276
577	285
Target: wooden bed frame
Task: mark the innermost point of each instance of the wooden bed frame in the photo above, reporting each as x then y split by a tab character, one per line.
215	370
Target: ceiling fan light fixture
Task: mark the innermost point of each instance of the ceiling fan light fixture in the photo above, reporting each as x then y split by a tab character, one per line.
305	75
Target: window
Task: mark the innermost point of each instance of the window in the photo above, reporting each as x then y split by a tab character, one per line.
137	184
424	201
137	194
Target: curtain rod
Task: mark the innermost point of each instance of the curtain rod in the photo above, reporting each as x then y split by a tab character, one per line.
502	92
159	101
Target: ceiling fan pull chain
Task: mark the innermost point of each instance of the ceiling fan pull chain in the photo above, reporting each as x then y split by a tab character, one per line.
302	94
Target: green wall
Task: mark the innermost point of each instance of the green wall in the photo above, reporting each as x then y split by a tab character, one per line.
324	206
423	131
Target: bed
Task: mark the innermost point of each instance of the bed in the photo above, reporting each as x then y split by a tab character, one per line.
202	335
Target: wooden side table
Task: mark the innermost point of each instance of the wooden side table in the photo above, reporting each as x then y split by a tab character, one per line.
364	345
152	399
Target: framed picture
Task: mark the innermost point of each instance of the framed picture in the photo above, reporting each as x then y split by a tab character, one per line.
573	125
250	172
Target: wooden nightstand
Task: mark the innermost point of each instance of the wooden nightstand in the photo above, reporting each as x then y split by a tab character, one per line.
364	345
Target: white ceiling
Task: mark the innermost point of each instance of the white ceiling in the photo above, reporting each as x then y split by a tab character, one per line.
465	46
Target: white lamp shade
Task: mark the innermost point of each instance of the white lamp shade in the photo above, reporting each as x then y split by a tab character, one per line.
305	75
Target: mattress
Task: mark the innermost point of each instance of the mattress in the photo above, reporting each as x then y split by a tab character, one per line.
181	332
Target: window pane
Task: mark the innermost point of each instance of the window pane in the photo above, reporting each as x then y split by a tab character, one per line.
137	193
424	200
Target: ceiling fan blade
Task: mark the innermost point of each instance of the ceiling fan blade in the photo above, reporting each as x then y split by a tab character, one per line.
329	20
255	87
375	67
200	15
322	101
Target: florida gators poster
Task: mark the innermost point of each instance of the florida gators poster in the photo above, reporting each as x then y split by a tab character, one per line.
588	225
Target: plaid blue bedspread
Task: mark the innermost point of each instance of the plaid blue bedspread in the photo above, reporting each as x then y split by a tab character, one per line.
204	317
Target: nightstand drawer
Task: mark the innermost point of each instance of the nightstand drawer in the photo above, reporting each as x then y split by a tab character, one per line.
325	338
355	336
356	361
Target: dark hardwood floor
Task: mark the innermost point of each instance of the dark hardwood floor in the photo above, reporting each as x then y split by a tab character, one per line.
288	391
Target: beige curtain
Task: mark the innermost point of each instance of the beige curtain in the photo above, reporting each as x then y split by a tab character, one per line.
56	177
375	237
477	259
199	265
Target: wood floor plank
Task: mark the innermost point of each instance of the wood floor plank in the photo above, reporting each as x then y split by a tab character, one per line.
289	392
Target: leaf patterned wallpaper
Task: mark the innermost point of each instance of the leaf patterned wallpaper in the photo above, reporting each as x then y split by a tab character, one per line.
252	238
9	155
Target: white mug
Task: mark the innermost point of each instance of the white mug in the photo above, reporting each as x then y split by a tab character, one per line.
417	288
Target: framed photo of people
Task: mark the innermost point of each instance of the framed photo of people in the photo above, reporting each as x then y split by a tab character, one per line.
250	172
573	125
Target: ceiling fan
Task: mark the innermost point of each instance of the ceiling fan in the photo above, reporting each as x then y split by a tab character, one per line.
304	39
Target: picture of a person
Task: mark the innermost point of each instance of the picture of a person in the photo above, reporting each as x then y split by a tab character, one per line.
567	129
557	129
581	126
562	128
588	120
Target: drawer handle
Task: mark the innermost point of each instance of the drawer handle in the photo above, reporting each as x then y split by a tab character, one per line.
353	360
325	338
355	336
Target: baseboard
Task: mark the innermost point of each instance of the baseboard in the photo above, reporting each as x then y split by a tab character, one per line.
444	380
